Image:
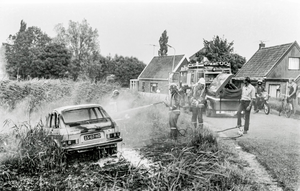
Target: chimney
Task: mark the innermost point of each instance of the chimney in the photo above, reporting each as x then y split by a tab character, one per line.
261	45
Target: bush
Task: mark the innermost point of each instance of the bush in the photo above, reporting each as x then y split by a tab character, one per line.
34	92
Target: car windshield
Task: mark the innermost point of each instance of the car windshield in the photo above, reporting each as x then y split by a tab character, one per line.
94	114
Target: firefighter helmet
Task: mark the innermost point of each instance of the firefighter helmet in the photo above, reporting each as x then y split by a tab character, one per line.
173	86
116	92
201	81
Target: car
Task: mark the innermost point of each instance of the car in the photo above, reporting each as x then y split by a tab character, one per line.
83	128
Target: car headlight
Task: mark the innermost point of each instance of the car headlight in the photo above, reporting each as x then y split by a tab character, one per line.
69	142
113	135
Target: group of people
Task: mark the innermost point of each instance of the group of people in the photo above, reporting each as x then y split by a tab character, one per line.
196	98
250	97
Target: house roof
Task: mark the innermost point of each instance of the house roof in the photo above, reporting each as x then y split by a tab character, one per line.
194	56
261	63
161	66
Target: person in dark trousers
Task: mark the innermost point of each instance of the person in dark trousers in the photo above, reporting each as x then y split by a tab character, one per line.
174	110
293	88
258	93
247	99
197	103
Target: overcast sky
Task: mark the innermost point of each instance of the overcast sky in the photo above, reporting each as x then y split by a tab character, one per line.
131	28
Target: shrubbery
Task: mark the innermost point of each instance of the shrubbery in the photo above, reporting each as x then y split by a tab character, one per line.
38	92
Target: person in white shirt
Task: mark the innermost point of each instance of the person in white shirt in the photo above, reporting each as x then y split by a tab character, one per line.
293	93
247	99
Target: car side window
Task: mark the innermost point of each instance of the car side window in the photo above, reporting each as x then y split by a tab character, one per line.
52	121
56	121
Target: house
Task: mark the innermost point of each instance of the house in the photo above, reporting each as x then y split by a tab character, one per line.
275	65
155	76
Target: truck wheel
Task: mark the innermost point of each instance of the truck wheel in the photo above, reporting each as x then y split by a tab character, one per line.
208	112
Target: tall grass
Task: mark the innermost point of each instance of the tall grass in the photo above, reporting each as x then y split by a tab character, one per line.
195	162
31	149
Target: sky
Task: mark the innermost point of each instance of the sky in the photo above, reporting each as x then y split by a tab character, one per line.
133	28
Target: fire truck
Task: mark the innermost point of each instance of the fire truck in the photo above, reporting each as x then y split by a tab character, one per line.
219	72
191	73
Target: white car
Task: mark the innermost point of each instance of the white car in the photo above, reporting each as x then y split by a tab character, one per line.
81	128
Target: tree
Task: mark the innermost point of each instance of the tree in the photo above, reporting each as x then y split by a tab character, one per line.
52	62
2	63
126	68
236	61
23	48
98	69
163	43
219	50
81	40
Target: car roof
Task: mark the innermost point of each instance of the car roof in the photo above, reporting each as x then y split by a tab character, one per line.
73	107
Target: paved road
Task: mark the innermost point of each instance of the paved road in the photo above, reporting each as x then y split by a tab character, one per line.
262	126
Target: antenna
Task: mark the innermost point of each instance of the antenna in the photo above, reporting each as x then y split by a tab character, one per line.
154	45
263	41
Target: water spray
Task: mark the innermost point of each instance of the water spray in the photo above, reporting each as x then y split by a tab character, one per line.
136	108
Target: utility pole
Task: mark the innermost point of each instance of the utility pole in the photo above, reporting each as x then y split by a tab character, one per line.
154	45
173	56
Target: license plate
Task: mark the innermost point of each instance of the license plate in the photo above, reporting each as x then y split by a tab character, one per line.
92	136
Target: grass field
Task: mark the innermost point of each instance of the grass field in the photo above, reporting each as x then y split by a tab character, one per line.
279	158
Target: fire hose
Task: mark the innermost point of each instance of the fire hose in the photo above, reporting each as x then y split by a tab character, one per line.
141	107
182	132
228	138
136	108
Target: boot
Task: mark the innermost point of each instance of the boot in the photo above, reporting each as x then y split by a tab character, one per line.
200	125
173	133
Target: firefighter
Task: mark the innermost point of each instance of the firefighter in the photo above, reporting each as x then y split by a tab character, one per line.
174	110
114	102
197	103
115	95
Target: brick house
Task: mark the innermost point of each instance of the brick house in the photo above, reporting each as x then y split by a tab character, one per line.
155	76
275	65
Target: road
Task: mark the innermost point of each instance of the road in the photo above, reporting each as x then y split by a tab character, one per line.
270	127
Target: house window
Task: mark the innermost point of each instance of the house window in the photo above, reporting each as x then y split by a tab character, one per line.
153	87
192	78
294	63
298	97
143	86
274	90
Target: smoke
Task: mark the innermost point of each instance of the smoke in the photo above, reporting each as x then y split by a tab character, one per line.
139	118
3	74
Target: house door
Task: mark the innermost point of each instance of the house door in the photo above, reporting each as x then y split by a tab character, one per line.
273	90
